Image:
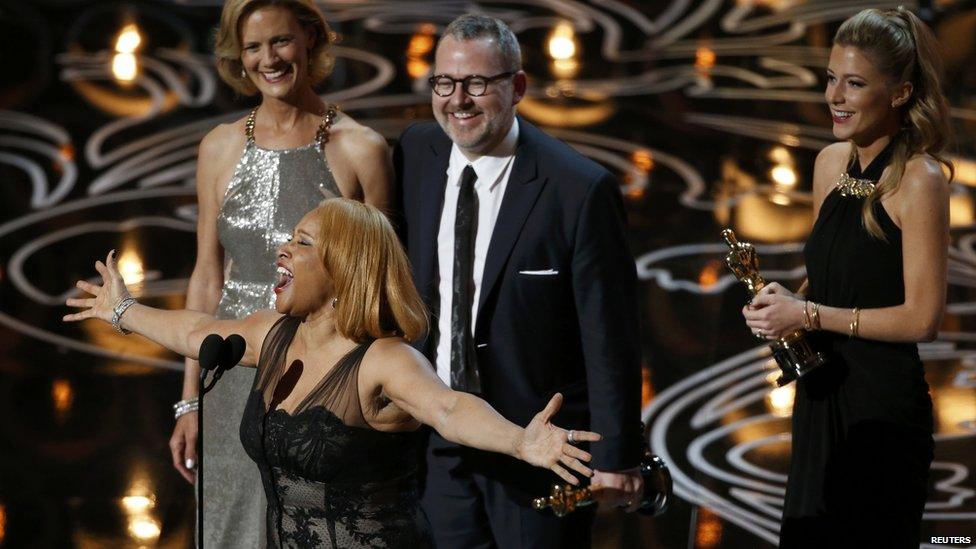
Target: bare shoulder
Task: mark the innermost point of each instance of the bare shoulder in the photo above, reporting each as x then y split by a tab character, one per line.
258	323
220	149
223	140
924	173
395	351
358	142
835	152
923	184
831	161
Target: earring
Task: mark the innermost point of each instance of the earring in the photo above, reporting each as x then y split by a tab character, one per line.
334	301
243	73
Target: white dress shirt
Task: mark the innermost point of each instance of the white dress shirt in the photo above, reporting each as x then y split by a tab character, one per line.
493	171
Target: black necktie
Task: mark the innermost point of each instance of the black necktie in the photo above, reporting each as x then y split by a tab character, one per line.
464	367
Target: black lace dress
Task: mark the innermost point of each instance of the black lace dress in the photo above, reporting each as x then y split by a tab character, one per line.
862	423
330	480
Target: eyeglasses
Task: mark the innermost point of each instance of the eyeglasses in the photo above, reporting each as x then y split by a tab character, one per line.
474	85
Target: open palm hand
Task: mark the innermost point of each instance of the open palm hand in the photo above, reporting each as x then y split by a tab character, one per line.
546	445
104	298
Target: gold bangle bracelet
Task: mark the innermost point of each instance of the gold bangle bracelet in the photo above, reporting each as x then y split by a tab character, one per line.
854	323
806	316
815	316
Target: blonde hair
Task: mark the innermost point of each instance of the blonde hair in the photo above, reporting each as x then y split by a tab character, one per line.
376	296
228	46
905	50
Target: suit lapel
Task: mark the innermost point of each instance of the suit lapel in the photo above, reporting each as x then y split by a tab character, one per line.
521	193
433	181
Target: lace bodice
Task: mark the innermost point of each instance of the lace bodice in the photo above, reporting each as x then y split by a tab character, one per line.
330	479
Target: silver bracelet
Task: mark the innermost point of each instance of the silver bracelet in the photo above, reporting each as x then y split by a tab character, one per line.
186	406
117	313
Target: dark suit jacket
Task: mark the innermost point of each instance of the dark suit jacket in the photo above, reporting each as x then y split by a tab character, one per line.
575	332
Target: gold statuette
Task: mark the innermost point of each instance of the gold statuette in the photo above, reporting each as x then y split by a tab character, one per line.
657	491
793	353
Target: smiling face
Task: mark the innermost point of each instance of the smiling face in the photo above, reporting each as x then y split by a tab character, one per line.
864	103
304	286
274	51
475	124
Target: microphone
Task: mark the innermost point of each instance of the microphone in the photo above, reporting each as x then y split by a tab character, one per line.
233	351
229	353
210	352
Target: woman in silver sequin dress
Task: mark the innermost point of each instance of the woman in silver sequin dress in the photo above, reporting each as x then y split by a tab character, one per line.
255	179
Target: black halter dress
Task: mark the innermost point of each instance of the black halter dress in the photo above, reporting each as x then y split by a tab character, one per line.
862	423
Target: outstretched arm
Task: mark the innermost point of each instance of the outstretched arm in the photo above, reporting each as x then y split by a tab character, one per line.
180	331
410	382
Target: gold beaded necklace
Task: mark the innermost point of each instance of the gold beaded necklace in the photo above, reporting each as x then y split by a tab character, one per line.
851	186
853	182
321	134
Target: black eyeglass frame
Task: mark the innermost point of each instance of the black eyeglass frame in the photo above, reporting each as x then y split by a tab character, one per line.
465	82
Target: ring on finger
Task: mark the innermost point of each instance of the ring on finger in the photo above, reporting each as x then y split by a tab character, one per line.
571	436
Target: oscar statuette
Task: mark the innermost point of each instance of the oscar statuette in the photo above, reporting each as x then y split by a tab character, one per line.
564	499
793	353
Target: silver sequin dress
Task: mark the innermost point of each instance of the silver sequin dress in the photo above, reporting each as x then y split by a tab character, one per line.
270	192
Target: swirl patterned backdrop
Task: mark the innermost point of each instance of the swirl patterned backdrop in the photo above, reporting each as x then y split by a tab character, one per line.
709	112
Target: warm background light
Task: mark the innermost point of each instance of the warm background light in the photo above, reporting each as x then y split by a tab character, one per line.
125	67
562	41
780	155
708	530
130	267
704	59
144	529
779	401
129	39
710	273
962	212
643	160
783	175
138	504
62	396
421	44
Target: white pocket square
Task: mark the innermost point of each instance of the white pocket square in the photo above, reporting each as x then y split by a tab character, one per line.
546	272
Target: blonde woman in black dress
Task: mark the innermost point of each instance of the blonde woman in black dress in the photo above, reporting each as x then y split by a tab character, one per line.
876	284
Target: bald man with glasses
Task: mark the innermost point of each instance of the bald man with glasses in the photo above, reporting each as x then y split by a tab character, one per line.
518	246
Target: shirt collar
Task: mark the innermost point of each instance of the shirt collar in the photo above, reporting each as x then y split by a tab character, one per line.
488	167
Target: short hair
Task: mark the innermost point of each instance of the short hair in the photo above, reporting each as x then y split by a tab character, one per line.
374	289
228	44
479	27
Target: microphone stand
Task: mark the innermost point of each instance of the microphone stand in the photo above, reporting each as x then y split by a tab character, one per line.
203	391
232	350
